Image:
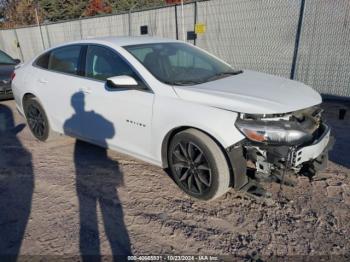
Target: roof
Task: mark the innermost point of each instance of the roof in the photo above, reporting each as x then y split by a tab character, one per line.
129	40
117	41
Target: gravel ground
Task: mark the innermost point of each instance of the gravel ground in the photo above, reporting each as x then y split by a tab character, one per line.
68	198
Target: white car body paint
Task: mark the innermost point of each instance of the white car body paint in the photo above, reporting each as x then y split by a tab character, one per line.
142	119
253	93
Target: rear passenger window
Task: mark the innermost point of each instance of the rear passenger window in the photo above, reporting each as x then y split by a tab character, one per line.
65	59
43	61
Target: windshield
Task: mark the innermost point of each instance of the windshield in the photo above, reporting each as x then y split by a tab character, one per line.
180	63
6	59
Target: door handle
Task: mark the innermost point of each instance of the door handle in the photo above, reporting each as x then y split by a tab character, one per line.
86	90
43	81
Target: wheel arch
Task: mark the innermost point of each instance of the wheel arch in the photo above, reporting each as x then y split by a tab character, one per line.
27	96
166	142
168	137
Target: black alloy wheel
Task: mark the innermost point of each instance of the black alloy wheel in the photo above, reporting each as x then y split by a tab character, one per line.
192	167
198	165
36	118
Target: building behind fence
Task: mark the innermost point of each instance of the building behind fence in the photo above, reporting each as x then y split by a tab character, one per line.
308	40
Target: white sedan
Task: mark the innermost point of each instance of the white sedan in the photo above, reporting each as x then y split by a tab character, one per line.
176	106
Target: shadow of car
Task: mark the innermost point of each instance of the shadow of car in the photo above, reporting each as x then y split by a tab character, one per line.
340	128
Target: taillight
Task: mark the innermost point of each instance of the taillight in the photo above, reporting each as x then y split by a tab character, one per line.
13	75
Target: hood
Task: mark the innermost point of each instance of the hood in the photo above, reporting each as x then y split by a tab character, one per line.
253	93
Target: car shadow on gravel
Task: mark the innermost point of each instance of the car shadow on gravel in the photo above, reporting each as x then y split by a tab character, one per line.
97	179
340	128
16	187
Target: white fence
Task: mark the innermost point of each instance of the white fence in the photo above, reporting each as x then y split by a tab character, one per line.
249	34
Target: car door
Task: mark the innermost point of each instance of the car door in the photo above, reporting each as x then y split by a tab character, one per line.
59	83
128	110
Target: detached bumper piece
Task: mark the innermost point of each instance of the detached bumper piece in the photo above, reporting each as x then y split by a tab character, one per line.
313	151
311	167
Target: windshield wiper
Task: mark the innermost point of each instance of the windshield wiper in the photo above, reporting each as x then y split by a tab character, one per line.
183	82
223	74
196	82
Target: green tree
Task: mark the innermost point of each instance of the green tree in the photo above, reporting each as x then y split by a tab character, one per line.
22	12
54	10
126	5
18	13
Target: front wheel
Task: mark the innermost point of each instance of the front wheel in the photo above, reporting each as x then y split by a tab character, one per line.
198	165
36	118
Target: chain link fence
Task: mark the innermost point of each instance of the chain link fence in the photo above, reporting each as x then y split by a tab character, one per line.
307	40
256	35
324	52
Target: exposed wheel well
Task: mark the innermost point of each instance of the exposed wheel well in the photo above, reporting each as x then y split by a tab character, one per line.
26	97
173	132
166	142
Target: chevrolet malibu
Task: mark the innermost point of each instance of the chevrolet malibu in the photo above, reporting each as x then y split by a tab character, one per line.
176	106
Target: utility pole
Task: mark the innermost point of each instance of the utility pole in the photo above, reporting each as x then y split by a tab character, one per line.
130	10
183	20
297	39
38	24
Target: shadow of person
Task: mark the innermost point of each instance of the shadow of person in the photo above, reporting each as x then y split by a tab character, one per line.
97	178
16	186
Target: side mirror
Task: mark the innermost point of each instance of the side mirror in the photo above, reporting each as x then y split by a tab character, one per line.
17	61
123	81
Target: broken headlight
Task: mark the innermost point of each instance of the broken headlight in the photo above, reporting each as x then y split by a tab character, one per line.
275	132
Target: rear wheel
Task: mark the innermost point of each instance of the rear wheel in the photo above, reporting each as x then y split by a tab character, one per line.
198	165
36	118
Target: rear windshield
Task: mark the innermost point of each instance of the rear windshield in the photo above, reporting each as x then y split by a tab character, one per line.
6	59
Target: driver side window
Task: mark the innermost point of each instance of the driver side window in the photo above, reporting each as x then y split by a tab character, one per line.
102	63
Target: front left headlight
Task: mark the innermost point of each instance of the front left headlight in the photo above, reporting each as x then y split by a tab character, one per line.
279	132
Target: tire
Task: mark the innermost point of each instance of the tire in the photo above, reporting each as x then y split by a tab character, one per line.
205	173
36	118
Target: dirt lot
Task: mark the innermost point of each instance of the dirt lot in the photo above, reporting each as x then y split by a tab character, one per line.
68	198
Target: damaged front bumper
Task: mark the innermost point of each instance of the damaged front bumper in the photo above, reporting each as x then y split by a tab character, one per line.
308	153
298	142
